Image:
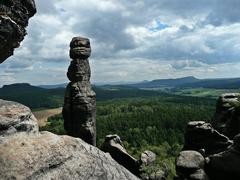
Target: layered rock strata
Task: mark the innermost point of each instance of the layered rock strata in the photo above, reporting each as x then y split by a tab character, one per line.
79	110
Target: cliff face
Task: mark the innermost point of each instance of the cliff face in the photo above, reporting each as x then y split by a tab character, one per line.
26	153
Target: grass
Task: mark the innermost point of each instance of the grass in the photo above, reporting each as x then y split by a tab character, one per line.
43	115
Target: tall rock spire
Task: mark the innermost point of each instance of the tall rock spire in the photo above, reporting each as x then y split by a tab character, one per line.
79	110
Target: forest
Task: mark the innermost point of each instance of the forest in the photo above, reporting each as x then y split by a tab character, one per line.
147	123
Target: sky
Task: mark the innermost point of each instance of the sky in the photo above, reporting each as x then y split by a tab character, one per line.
131	40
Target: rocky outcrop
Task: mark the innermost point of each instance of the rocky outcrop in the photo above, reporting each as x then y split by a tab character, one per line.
227	117
26	153
113	145
15	118
225	165
221	157
14	17
148	157
190	165
79	110
200	136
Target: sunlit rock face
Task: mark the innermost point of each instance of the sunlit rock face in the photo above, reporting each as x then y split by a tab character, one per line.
79	110
26	153
113	145
14	17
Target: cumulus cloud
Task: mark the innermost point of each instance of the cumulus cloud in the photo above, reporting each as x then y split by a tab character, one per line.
131	40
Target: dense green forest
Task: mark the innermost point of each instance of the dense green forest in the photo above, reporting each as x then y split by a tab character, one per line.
36	97
153	123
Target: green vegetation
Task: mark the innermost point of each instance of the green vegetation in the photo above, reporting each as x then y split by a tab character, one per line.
200	92
149	123
55	125
33	97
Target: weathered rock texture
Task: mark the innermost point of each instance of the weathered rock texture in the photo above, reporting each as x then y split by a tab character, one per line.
225	165
214	142
113	145
190	165
14	17
26	153
79	110
148	157
227	117
201	136
15	118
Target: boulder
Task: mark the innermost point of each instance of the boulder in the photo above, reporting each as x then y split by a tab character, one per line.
200	136
227	116
113	145
190	165
148	157
190	161
15	117
26	153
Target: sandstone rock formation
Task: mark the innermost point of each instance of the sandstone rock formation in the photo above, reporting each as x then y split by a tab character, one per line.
79	110
225	165
227	117
221	157
26	153
113	145
14	17
190	165
148	157
201	136
15	118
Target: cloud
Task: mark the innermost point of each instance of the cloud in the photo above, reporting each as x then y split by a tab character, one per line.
130	39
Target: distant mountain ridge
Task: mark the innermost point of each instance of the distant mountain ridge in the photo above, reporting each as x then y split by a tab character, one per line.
190	82
165	82
184	82
63	85
38	97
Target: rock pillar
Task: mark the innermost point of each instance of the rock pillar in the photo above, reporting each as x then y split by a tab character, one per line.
79	110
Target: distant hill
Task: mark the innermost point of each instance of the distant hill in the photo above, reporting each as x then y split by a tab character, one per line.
165	82
189	82
225	83
64	85
32	96
37	97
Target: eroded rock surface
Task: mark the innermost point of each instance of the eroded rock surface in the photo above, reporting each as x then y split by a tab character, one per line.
79	110
190	165
214	142
200	136
15	117
29	154
225	165
148	157
113	145
14	17
227	117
